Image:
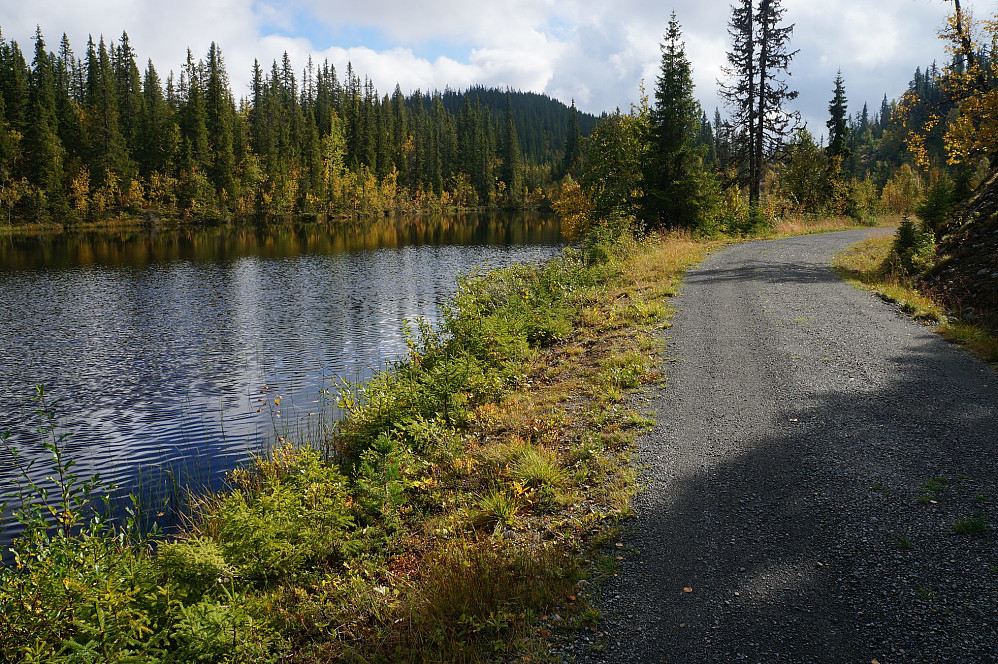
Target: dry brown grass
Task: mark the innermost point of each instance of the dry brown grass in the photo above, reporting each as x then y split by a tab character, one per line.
808	224
864	265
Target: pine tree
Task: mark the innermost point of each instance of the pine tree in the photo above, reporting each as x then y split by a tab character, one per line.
512	160
572	140
773	123
838	129
739	92
44	150
756	92
679	191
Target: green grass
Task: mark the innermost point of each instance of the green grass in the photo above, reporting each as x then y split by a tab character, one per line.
866	265
971	525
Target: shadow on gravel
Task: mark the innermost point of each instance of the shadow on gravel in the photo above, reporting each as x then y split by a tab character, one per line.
831	539
775	273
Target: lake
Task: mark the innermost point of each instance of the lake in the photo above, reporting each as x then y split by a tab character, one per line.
177	353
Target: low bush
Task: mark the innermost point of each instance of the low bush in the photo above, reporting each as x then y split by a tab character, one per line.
914	249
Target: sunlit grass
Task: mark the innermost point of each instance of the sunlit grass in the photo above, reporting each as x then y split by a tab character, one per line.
810	224
865	265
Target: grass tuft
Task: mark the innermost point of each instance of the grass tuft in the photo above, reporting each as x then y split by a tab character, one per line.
971	525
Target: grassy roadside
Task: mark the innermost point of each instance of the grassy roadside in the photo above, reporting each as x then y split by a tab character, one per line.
808	225
449	518
867	265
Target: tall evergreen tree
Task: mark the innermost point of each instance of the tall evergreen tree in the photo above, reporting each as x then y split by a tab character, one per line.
158	134
572	140
679	190
756	91
128	88
220	113
44	150
773	124
512	159
838	127
107	152
739	92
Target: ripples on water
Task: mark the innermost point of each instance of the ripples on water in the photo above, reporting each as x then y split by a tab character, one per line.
168	349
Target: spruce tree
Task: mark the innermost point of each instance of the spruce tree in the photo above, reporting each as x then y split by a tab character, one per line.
43	148
107	153
572	140
512	159
756	91
220	111
773	123
193	121
838	128
679	191
127	82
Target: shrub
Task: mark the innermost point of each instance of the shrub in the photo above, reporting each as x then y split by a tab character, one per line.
197	563
938	204
297	518
914	249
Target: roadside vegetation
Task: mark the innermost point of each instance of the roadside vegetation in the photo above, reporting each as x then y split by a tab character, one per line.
449	513
892	267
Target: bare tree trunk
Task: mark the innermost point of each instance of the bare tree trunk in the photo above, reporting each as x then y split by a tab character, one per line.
759	143
755	116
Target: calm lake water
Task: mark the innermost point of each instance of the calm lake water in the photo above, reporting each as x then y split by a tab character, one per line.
168	349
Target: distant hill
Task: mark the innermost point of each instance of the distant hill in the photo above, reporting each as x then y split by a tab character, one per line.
541	121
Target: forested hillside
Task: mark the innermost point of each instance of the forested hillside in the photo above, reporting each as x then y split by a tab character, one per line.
85	138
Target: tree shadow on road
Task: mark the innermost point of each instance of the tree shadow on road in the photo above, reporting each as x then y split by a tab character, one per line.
831	537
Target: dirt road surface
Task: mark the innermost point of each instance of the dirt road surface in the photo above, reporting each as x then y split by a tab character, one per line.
815	452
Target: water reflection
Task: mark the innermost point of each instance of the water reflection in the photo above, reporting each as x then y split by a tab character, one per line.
174	347
143	246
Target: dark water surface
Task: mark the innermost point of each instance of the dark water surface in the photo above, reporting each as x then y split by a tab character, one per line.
170	349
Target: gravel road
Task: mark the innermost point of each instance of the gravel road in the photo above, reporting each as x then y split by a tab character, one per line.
814	450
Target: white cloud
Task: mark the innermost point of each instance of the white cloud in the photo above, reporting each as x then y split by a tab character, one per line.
595	52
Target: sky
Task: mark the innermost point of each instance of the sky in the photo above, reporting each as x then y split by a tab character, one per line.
595	52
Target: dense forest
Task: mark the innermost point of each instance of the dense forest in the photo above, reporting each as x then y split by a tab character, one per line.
92	137
889	160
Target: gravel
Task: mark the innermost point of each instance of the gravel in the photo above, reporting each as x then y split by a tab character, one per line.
814	450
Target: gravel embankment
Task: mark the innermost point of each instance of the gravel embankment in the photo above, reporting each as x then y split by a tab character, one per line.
814	450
